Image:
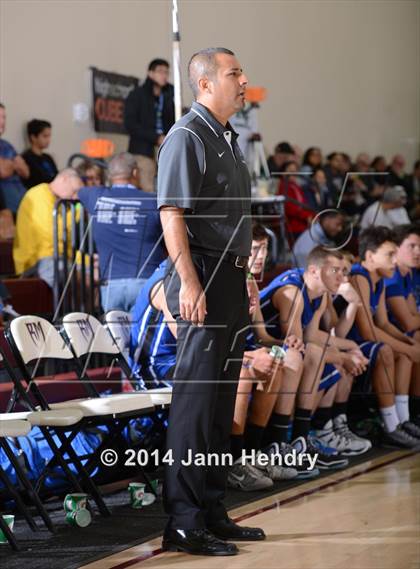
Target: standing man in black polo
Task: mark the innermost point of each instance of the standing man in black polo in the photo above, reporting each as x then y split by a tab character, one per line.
204	200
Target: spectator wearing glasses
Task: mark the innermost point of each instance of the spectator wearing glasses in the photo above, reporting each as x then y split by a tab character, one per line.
91	173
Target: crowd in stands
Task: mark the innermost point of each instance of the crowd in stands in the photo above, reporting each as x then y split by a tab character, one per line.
365	310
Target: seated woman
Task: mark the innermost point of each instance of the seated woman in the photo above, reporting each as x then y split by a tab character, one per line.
297	208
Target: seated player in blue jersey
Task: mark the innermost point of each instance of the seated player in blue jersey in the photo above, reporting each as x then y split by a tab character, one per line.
294	303
330	423
261	379
153	332
401	302
391	353
416	285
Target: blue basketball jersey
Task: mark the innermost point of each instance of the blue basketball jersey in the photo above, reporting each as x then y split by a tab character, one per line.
398	285
374	296
416	286
292	277
152	345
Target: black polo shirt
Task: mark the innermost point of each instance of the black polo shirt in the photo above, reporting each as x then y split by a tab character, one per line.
202	170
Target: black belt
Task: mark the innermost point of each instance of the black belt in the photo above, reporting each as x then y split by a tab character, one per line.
236	260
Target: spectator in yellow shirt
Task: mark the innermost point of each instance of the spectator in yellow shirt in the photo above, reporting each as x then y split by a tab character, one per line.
33	242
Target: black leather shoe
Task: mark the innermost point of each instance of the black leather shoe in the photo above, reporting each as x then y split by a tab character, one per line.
196	542
227	529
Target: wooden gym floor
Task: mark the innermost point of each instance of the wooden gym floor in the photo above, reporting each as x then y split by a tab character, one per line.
367	517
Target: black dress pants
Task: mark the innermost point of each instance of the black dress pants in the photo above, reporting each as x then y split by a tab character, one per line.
206	375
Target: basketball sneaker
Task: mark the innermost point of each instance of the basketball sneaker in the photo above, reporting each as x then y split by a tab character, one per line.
247	478
338	436
401	438
272	470
328	457
412	429
303	467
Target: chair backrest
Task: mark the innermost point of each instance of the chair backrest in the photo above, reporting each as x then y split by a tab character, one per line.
118	323
87	335
35	338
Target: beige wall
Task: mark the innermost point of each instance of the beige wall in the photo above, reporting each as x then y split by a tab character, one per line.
342	74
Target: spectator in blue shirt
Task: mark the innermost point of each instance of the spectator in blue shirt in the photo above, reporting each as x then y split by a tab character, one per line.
323	232
12	168
127	233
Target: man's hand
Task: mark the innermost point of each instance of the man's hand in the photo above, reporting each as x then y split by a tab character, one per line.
349	293
354	362
262	362
192	302
293	341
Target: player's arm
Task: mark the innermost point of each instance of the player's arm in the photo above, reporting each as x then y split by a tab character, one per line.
312	332
288	302
382	321
400	308
348	316
391	335
329	318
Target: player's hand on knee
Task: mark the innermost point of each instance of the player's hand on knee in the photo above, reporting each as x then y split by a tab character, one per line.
262	362
293	341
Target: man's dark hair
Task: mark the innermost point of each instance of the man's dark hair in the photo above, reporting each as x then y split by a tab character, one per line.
287	164
332	155
2	106
375	161
308	152
416	164
373	237
156	62
259	232
329	213
36	126
204	62
284	148
403	231
319	254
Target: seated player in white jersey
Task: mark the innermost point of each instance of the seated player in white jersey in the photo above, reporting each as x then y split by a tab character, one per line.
295	303
262	378
390	351
401	302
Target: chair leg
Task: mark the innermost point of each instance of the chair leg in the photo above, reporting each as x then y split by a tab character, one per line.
19	502
117	430
89	484
28	486
9	534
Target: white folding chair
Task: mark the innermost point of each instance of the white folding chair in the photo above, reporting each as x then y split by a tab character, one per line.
33	340
119	324
12	426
